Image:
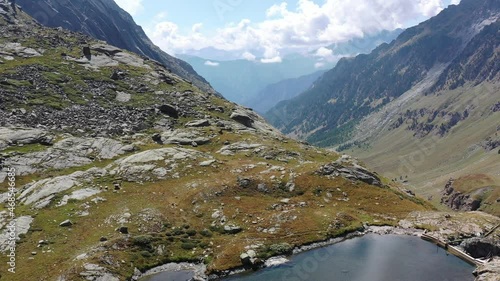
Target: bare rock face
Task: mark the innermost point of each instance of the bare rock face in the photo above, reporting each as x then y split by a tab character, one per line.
352	172
458	201
489	271
482	247
21	136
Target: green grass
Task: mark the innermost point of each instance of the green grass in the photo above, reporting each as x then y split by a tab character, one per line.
24	149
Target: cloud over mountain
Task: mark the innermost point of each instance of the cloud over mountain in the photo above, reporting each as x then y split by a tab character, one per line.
309	26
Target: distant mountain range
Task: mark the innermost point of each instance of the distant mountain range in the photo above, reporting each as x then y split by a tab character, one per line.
242	80
105	20
283	90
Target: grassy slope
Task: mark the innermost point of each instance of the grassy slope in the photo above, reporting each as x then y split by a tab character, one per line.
170	204
430	161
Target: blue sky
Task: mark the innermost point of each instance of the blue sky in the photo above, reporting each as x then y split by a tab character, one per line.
213	14
267	29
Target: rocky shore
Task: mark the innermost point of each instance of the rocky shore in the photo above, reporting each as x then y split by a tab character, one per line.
475	246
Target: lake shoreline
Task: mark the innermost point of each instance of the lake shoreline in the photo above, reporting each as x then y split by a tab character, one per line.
200	269
200	274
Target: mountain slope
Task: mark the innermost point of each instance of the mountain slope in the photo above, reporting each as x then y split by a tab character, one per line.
448	129
120	166
105	20
327	114
283	90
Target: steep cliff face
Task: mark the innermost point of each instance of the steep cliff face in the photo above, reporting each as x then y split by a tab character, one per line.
105	20
458	201
471	193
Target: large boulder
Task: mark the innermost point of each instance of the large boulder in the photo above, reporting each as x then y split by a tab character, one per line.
16	136
184	137
250	259
242	118
169	110
352	172
481	247
232	229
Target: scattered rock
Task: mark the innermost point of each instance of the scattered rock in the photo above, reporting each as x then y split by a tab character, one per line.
123	97
249	258
244	182
262	187
147	165
66	223
207	163
123	229
232	229
184	137
86	51
198	123
97	273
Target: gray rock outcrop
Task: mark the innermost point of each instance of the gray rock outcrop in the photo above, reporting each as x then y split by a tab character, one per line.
459	201
489	271
352	172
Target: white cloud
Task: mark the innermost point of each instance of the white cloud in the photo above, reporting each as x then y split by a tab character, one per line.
160	16
133	7
197	27
319	64
430	8
310	26
455	2
276	59
324	52
211	63
248	56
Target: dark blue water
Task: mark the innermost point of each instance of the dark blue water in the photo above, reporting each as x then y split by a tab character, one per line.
369	258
